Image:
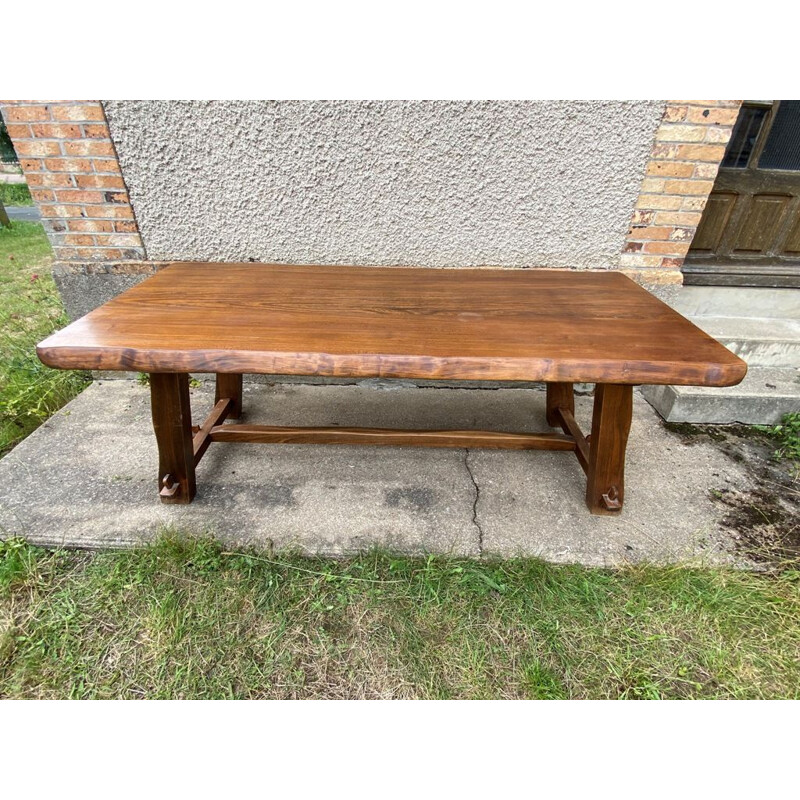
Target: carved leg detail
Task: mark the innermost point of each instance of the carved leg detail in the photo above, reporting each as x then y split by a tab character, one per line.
611	422
172	422
230	385
559	395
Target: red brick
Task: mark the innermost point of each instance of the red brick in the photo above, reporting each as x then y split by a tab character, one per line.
80	196
26	113
43	196
52	180
78	113
78	239
110	212
30	164
116	197
91	225
120	240
126	227
19	131
100	181
672	263
92	253
89	148
108	254
45	131
632	247
96	131
65	253
61	211
33	148
110	165
68	164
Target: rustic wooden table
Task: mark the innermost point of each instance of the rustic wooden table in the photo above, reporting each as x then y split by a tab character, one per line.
557	326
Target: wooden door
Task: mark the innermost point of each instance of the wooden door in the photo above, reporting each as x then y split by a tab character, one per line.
749	234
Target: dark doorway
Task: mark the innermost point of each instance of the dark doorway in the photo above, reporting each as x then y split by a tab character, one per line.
749	234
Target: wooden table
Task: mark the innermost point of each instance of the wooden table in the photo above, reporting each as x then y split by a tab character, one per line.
556	326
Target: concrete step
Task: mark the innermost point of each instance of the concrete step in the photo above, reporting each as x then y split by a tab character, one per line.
761	342
738	301
762	398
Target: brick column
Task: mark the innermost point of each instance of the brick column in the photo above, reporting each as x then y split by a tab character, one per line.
688	149
70	164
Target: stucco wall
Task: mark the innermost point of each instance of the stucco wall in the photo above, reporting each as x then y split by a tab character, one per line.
520	184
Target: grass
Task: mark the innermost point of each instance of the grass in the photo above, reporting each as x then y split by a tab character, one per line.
30	309
787	437
15	194
186	619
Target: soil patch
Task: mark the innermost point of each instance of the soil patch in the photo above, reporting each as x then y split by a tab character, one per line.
765	520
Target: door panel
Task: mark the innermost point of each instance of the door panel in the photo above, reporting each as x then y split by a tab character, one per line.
714	221
760	223
792	244
750	230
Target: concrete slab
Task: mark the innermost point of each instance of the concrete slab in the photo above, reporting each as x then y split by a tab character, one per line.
87	478
762	398
762	342
737	301
24	213
534	506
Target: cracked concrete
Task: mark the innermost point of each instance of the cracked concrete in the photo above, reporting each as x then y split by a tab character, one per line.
87	478
475	520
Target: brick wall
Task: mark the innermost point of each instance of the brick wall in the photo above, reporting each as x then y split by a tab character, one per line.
688	149
70	164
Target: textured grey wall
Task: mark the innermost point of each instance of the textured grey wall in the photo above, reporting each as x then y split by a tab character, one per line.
439	184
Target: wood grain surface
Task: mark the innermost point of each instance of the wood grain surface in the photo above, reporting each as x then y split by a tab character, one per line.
500	440
470	324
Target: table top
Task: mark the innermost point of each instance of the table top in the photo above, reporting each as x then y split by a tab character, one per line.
394	322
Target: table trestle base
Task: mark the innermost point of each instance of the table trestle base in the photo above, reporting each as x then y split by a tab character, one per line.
181	445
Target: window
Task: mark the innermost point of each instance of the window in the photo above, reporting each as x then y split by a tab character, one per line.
782	149
745	133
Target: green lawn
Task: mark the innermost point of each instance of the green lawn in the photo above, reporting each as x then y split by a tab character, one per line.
30	309
186	619
15	194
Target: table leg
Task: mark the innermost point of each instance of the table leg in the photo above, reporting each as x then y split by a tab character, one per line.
230	386
611	422
172	422
559	395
